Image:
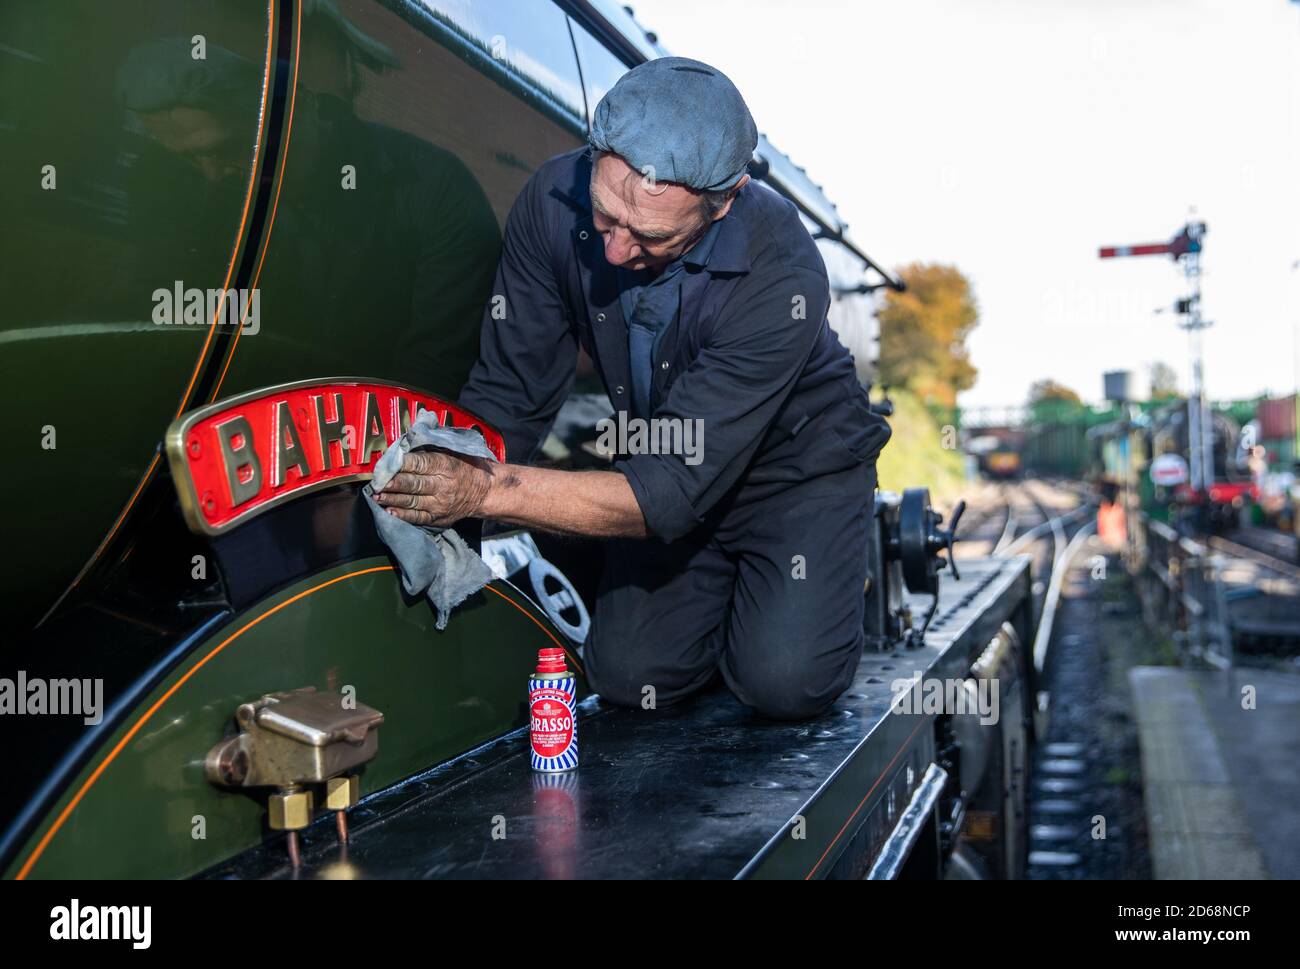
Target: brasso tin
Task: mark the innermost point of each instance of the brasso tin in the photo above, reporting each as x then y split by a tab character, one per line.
553	721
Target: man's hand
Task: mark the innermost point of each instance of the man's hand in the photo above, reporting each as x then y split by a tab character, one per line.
436	488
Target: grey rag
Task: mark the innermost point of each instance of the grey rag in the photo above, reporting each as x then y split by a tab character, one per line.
434	561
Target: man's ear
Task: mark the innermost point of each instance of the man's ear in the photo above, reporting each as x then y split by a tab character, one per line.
731	197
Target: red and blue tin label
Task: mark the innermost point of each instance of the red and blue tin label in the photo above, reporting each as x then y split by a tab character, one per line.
553	721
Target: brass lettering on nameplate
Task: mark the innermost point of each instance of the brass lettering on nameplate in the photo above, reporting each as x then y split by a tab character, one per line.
237	458
332	431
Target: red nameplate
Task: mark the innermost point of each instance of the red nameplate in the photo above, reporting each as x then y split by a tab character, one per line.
236	458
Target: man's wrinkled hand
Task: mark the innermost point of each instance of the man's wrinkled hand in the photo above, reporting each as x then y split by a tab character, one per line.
436	488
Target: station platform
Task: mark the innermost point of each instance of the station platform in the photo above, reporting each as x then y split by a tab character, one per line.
1221	791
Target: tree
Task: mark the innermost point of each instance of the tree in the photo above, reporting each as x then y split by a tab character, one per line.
923	334
1164	381
1050	401
1045	390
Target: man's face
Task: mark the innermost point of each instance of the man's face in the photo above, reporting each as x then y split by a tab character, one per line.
202	139
645	224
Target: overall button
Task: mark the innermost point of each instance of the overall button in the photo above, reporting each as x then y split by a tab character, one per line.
664	365
619	390
600	317
583	235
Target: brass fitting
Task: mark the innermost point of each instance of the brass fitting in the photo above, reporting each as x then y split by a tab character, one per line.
286	740
290	809
342	793
290	740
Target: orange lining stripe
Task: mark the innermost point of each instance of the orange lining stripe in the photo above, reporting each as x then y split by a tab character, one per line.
248	198
284	162
573	659
144	479
888	768
198	365
144	718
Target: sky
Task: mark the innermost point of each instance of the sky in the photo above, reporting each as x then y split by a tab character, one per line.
1012	138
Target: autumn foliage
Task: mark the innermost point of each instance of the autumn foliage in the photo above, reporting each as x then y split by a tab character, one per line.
923	334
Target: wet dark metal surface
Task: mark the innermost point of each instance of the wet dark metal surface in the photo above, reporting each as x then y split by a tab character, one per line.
704	789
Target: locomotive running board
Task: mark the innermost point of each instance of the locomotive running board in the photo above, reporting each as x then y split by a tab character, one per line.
700	790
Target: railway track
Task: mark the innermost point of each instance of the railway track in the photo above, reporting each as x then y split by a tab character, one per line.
1262	599
1028	518
1069	786
987	519
1084	803
1011	519
1265	559
1277	546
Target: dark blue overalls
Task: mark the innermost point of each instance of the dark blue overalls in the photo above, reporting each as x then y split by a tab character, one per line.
758	561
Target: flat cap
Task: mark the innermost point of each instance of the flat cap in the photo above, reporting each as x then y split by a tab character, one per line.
681	120
161	74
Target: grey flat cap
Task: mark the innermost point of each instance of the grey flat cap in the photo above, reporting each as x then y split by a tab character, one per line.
681	119
161	74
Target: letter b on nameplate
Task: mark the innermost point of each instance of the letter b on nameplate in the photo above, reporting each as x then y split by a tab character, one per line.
243	469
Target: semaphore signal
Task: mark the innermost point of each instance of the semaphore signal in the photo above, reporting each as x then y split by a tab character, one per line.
1185	247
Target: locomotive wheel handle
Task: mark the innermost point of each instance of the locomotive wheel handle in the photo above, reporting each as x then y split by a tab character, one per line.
950	535
920	540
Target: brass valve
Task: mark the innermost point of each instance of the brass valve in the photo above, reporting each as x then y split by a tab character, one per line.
342	793
290	740
290	809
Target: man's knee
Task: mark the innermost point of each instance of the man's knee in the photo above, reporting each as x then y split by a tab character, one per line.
618	684
628	677
797	691
787	698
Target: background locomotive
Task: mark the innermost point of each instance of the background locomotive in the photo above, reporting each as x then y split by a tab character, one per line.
1122	452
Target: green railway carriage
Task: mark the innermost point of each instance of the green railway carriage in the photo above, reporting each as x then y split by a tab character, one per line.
213	209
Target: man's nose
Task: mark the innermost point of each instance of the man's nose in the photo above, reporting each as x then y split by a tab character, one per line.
619	247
